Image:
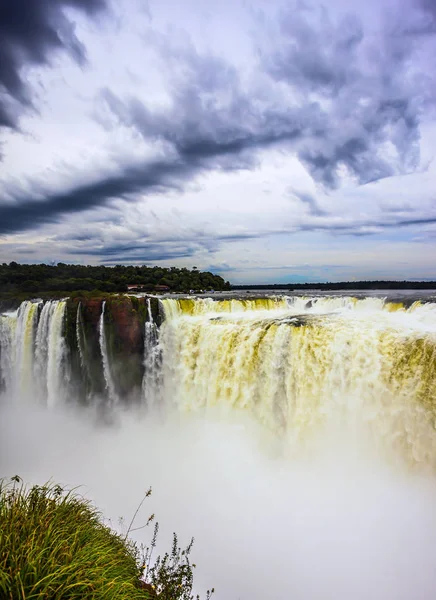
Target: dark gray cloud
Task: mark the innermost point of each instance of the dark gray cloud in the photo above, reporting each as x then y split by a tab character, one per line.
133	246
369	91
198	130
30	30
312	53
213	119
353	102
365	227
340	99
139	241
25	213
143	253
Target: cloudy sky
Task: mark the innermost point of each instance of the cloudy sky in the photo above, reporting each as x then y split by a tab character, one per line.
262	140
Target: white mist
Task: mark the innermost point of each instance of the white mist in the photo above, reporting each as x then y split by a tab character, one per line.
339	523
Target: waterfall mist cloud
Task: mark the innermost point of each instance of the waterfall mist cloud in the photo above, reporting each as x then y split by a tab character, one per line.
341	525
293	439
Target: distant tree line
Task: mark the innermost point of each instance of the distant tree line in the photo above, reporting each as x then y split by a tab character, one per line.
15	277
344	285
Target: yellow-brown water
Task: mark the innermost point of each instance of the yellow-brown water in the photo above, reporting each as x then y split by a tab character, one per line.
344	520
302	366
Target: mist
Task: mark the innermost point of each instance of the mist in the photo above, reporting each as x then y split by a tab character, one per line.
336	522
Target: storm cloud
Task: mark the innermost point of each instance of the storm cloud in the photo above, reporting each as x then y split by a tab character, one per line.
30	32
341	100
25	213
284	136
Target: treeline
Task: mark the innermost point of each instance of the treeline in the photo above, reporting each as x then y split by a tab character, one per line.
15	277
344	285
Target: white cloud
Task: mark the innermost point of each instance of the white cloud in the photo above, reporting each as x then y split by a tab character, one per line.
249	209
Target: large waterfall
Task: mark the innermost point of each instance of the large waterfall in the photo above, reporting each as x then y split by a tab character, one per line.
32	351
23	360
294	437
299	365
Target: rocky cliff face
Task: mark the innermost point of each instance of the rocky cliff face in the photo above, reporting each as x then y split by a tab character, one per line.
124	321
100	353
124	324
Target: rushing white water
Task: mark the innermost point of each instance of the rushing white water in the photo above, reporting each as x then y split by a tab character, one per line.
50	352
56	352
41	347
282	448
299	365
202	306
152	381
110	385
33	352
307	365
7	335
24	339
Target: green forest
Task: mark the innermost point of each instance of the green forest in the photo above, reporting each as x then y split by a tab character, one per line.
33	278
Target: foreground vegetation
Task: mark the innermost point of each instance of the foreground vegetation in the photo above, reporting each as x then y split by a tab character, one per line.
55	545
67	278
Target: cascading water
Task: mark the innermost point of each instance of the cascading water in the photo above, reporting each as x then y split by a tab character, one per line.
151	383
202	306
56	352
271	379
49	351
41	346
7	334
110	386
24	340
304	364
33	351
297	364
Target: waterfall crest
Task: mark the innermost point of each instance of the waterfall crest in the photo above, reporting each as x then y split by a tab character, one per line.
315	362
50	352
174	308
32	351
297	364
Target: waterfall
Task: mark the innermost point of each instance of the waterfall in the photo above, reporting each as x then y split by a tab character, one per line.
56	351
24	342
41	348
109	383
50	352
297	364
151	383
7	335
305	364
200	306
32	351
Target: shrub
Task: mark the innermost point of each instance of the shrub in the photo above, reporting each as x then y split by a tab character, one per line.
54	545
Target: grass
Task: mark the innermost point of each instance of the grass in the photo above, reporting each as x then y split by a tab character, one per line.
54	545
